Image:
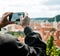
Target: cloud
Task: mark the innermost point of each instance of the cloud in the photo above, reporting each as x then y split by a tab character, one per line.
21	5
54	8
35	8
52	2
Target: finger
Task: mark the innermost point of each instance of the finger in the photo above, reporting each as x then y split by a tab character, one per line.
6	14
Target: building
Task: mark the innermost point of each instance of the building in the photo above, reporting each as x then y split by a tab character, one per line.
44	29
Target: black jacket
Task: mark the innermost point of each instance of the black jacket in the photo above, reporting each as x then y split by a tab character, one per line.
9	45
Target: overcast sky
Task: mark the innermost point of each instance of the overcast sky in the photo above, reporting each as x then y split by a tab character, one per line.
35	8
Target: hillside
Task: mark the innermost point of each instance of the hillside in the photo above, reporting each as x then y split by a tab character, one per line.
49	19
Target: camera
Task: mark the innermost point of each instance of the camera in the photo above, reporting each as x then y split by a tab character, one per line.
15	16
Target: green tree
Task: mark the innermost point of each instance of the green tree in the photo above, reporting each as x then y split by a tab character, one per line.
51	49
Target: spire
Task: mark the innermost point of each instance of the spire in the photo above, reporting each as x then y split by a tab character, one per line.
55	23
55	19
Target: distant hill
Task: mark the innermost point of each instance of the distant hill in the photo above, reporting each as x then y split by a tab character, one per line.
49	19
39	18
53	19
58	18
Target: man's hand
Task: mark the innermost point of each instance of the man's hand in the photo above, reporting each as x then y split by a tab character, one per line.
4	20
4	17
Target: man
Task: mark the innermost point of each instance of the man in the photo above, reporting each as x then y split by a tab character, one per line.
10	45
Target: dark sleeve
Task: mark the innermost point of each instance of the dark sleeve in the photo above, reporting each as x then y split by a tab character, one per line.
9	44
26	50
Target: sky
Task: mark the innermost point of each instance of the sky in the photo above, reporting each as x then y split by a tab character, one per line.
35	8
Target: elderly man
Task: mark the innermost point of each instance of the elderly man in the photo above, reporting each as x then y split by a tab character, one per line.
10	45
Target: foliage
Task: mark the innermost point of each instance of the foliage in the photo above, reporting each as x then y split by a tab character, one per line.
53	18
17	34
51	49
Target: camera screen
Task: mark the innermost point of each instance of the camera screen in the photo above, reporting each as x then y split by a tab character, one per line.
16	16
